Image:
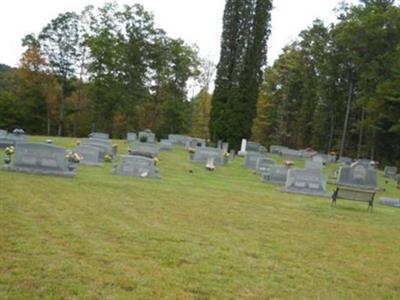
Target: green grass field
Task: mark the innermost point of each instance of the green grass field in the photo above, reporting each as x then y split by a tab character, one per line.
200	235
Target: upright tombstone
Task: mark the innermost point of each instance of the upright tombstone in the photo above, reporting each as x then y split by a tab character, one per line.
390	172
6	141
345	160
225	147
178	139
366	162
136	166
320	159
40	158
263	164
243	147
253	147
146	136
276	174
149	150
308	153
251	160
306	181
194	143
165	145
359	176
17	136
90	155
210	163
219	146
290	153
276	149
99	135
103	144
315	165
232	155
203	153
3	133
131	137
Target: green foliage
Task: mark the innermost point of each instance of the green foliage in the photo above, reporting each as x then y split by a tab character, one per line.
239	72
306	91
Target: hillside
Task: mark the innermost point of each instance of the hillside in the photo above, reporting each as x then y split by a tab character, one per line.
201	235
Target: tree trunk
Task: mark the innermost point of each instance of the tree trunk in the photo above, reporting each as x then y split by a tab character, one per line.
61	121
331	130
346	120
361	133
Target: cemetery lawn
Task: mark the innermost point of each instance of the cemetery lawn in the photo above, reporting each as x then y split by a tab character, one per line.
200	235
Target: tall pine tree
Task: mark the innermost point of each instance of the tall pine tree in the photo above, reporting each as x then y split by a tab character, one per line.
239	72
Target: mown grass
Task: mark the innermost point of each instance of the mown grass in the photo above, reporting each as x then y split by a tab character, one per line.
199	235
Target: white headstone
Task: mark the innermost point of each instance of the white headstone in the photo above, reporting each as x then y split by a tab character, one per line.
242	151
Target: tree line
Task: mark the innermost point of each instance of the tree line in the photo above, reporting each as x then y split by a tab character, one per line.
106	69
337	88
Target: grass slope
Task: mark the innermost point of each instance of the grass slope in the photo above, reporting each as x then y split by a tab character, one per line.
220	235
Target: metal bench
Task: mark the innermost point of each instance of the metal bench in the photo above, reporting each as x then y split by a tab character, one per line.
354	194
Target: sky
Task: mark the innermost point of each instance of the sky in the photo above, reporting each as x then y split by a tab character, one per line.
195	21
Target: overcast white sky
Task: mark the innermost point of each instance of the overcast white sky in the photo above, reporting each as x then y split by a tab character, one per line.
195	21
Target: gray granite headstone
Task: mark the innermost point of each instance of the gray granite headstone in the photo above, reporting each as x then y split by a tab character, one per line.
194	143
251	159
146	137
390	172
263	164
3	133
90	155
276	149
311	164
202	154
131	137
276	174
165	145
232	155
6	141
366	162
225	147
136	166
144	149
345	160
358	176
390	202
308	153
306	181
99	135
290	154
43	159
178	139
255	147
103	144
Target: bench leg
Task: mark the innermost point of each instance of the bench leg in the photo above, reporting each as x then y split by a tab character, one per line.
370	206
334	197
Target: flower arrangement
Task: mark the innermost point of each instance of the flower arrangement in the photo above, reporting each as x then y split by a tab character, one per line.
73	157
9	151
108	158
226	155
289	163
156	160
191	150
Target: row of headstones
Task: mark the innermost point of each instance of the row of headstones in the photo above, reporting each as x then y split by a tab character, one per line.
310	180
47	159
11	139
